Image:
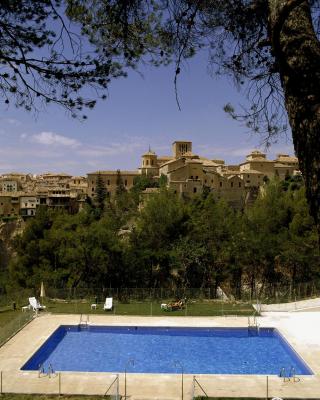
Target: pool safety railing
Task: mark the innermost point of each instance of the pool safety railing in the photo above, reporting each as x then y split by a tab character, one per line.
115	383
195	384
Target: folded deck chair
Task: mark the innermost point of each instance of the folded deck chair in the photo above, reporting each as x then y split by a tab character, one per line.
108	303
36	306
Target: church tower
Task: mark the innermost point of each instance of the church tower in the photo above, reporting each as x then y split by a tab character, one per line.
149	165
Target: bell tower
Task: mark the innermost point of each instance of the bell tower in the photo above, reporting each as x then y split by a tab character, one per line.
149	165
179	148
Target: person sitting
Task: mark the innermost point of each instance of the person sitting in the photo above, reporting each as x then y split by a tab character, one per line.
173	305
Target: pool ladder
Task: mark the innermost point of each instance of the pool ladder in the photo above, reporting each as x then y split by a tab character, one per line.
41	371
253	323
291	374
84	321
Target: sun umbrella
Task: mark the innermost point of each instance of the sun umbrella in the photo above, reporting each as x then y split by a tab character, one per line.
42	291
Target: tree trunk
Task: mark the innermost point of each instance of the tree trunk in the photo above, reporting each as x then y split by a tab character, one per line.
297	52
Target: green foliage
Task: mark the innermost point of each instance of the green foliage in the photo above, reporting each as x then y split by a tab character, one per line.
172	242
119	183
163	181
101	193
140	183
40	58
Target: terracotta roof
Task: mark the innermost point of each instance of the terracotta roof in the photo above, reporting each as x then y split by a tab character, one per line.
149	153
251	171
285	157
46	174
114	173
280	165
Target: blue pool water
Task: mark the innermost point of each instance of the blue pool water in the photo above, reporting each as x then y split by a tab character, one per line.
165	350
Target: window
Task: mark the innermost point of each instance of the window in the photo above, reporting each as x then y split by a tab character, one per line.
194	190
205	181
220	184
92	189
147	162
125	182
248	181
248	176
108	182
191	177
239	184
151	162
197	177
231	184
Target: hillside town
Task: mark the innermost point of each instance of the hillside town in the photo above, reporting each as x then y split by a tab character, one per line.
186	173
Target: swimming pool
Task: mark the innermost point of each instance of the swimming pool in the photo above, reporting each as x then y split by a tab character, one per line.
167	350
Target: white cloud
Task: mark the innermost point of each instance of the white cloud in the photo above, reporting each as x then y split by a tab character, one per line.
11	121
114	149
51	138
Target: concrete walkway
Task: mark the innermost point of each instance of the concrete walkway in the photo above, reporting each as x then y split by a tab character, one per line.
301	305
300	329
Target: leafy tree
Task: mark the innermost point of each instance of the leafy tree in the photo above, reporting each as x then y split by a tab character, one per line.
270	47
163	181
140	183
160	223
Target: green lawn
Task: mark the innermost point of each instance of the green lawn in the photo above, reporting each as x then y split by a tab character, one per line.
49	397
53	397
11	321
205	308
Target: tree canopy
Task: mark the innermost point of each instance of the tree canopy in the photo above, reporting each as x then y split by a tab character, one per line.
270	47
172	243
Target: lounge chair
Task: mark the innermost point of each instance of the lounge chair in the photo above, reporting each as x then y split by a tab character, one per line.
175	305
108	304
35	305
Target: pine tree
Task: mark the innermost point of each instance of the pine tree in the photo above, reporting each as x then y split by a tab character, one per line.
119	182
101	193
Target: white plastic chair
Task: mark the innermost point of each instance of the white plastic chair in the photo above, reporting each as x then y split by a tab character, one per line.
108	304
36	306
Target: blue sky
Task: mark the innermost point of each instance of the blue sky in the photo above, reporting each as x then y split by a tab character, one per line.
140	111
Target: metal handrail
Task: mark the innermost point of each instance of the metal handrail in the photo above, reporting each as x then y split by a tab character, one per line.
201	388
84	321
115	380
50	370
41	370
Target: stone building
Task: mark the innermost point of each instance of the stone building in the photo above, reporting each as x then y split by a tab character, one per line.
187	174
110	180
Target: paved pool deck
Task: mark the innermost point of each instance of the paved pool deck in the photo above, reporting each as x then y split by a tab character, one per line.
302	330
